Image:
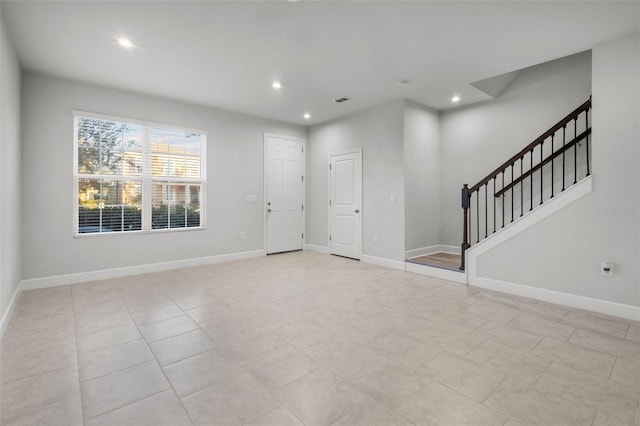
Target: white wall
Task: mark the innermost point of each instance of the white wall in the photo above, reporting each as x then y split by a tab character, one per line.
478	138
9	171
379	133
422	208
564	252
234	170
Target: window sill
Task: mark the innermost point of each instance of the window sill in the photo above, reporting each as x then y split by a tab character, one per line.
144	232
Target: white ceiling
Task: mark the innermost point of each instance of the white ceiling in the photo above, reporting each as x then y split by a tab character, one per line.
226	54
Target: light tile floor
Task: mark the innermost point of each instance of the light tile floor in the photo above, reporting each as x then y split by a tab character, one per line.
305	338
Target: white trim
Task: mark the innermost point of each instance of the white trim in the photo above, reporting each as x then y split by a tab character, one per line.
99	116
303	142
431	271
8	313
335	154
550	207
384	262
450	249
438	248
81	277
316	248
582	302
422	251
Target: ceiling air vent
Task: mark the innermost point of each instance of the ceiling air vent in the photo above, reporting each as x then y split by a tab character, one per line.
341	100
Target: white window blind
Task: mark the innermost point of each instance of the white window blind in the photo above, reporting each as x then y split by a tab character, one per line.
137	176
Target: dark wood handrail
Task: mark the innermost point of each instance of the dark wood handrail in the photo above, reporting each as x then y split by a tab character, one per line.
584	107
546	161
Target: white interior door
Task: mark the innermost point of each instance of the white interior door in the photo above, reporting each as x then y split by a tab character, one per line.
345	204
283	194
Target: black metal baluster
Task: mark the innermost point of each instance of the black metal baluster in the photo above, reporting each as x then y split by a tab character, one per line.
503	199
486	211
512	164
552	161
575	151
541	170
586	120
564	137
478	215
531	179
494	204
466	201
521	186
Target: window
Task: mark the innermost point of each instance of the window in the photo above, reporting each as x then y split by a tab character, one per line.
136	176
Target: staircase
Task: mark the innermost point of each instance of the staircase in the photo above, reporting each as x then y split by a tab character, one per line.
542	170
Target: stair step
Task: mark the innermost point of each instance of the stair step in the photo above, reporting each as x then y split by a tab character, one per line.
442	260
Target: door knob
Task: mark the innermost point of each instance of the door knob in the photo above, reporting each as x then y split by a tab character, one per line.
357	211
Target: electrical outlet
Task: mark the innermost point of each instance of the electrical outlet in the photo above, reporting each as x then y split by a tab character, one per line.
375	239
606	269
392	199
242	235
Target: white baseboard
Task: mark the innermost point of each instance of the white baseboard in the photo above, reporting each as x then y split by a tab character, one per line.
381	261
430	271
581	302
6	317
450	249
57	280
422	251
438	248
319	249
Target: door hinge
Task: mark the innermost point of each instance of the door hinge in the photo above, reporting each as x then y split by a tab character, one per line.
303	207
303	178
329	166
303	236
329	237
303	149
329	202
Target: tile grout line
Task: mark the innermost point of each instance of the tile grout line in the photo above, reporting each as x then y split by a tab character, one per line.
530	351
126	405
272	392
613	368
162	369
40	374
353	410
118	371
75	342
112	346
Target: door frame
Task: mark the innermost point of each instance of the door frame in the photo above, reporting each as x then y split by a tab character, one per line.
333	154
264	185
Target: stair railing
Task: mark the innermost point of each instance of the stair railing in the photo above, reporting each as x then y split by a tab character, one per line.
551	164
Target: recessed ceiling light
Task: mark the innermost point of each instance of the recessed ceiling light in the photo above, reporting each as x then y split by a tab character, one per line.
402	83
125	42
455	99
307	116
276	85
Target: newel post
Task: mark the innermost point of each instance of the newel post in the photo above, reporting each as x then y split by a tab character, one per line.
466	200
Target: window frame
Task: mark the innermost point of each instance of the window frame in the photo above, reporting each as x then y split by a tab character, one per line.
146	178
